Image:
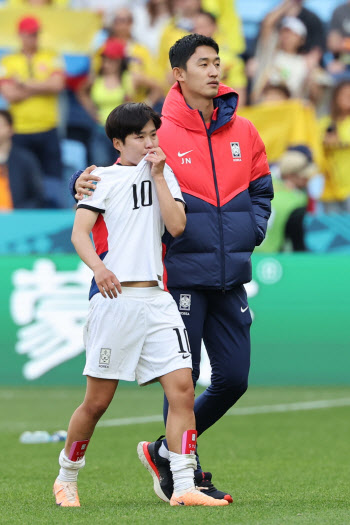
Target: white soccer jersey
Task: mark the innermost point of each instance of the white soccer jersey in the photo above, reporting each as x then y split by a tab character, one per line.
127	233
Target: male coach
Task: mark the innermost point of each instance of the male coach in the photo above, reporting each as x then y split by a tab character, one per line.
220	163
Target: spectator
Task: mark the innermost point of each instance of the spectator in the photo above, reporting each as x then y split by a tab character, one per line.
31	80
279	58
180	25
38	3
100	93
315	38
338	41
20	176
315	41
227	29
232	66
286	226
274	93
106	8
143	70
149	21
229	23
335	130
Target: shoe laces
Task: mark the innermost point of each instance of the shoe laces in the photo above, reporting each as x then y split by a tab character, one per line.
71	491
205	483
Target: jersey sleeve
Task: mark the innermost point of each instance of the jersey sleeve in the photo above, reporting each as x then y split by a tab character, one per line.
173	185
97	201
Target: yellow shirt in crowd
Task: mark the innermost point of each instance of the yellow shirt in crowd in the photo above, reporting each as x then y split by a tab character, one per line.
38	113
141	61
107	99
23	3
337	183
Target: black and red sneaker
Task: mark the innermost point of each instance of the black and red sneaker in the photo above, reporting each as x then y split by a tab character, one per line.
203	482
158	467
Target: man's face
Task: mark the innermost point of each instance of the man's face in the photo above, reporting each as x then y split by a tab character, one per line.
187	8
137	145
29	40
122	23
343	100
6	130
290	41
203	25
202	74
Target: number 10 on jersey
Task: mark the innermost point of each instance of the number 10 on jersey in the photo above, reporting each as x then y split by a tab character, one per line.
143	197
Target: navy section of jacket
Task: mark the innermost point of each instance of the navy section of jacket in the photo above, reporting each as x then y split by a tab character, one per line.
193	260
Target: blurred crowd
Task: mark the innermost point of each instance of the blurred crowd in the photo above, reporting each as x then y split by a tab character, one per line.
65	64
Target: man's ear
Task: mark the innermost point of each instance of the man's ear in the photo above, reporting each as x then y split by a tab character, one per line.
117	143
178	73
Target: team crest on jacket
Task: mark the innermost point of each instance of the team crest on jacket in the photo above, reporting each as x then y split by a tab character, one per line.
236	151
185	302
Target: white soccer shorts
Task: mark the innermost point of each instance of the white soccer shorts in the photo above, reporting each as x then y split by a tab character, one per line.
138	335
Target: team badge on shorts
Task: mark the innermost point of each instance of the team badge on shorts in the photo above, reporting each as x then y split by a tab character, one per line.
185	302
105	357
236	151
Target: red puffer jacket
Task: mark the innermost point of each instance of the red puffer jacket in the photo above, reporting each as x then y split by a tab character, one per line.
224	176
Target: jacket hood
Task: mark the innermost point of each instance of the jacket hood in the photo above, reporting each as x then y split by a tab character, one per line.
176	109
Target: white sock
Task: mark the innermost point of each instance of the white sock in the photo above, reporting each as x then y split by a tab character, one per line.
69	469
163	451
182	467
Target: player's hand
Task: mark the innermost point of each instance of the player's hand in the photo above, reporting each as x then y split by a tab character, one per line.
83	184
156	157
107	282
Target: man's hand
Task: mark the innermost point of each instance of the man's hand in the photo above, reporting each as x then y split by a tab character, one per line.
107	282
13	91
83	184
156	157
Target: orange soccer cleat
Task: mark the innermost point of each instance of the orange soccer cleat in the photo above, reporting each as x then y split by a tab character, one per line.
66	493
195	498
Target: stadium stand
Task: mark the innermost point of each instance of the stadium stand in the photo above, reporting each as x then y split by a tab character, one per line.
76	29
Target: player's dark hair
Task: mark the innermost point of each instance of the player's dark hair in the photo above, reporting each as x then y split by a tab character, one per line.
184	48
7	116
129	118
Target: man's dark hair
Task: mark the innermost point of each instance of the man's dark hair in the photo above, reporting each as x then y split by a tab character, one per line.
283	88
184	48
129	118
7	116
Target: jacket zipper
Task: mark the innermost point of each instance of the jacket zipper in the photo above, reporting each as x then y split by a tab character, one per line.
221	230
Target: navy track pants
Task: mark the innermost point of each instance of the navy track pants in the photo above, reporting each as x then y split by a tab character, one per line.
223	321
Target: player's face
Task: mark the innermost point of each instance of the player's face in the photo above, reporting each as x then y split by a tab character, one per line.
202	75
137	145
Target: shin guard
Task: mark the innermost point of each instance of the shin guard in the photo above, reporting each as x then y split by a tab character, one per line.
189	442
78	449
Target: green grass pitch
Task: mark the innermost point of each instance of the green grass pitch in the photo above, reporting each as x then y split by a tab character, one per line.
281	467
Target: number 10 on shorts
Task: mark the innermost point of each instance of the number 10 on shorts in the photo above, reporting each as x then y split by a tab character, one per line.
185	352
